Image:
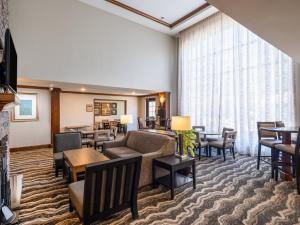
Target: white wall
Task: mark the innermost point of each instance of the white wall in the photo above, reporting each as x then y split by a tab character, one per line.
73	109
69	41
36	132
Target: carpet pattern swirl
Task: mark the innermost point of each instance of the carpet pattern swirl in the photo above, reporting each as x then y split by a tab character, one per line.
231	192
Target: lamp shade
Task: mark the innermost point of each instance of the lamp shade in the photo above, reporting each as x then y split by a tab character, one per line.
181	123
126	119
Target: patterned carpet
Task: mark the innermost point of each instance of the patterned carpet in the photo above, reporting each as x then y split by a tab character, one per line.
231	192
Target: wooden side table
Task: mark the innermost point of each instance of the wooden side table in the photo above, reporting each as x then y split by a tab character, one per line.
174	179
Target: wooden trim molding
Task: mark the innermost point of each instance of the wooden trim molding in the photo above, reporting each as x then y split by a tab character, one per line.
33	87
55	111
27	148
97	93
6	99
170	25
136	11
189	15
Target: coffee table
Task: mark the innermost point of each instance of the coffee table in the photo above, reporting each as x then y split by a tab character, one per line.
78	159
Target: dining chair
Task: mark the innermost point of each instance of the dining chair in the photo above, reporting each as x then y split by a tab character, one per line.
168	124
99	137
199	145
113	133
201	129
106	124
62	142
108	188
227	142
141	123
293	150
268	139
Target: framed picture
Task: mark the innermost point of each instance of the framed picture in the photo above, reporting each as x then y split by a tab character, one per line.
105	109
89	107
113	105
113	112
27	110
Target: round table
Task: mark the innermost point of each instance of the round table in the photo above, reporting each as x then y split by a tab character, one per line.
286	133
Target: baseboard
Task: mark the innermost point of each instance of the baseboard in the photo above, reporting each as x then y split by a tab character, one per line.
26	148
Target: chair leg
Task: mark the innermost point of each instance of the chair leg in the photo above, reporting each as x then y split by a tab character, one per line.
224	155
258	155
276	154
199	156
56	172
233	153
273	162
134	210
209	148
207	151
294	165
297	162
70	206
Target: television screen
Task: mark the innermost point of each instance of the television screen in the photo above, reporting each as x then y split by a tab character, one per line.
10	55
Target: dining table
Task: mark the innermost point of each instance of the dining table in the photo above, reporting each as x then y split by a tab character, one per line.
286	137
78	159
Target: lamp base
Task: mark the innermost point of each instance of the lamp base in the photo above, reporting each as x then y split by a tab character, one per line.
182	157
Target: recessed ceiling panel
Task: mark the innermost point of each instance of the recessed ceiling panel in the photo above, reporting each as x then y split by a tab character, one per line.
166	10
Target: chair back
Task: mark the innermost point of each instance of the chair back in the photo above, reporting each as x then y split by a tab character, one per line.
114	131
279	124
110	186
101	135
198	138
264	133
199	128
229	137
226	129
66	141
297	147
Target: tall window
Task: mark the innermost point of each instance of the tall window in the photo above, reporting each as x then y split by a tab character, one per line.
230	77
151	105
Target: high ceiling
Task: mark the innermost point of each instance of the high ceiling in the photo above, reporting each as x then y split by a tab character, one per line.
168	16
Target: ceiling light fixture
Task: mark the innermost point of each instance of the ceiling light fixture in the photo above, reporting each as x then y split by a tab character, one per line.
83	89
133	93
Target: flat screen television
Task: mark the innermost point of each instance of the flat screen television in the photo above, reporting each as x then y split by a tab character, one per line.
8	71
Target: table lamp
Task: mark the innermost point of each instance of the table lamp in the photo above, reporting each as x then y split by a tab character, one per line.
181	123
126	119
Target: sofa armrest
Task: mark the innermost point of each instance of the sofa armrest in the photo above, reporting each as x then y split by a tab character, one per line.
113	144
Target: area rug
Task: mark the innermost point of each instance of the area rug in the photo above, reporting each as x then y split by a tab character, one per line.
231	192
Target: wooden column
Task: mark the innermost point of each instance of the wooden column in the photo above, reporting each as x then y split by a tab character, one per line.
164	106
55	111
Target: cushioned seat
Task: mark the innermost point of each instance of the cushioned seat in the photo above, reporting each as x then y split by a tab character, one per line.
286	148
219	144
76	191
119	152
270	142
203	144
58	155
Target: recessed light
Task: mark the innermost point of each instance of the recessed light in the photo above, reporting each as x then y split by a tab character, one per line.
162	18
83	89
133	93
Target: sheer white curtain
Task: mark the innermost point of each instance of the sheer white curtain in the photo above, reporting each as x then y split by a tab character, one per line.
229	77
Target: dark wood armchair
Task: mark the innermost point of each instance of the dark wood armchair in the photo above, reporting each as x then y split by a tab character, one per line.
108	188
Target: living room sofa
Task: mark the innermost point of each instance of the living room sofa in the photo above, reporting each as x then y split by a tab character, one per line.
149	145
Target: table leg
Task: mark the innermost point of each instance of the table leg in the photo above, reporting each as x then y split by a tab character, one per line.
194	175
286	158
172	177
74	173
153	175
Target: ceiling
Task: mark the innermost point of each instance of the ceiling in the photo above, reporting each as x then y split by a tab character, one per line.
168	16
72	87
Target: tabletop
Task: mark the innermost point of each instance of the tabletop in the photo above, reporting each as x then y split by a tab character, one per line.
163	132
77	127
209	132
84	156
281	129
173	160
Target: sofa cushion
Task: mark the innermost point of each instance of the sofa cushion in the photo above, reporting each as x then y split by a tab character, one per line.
145	142
76	191
119	152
